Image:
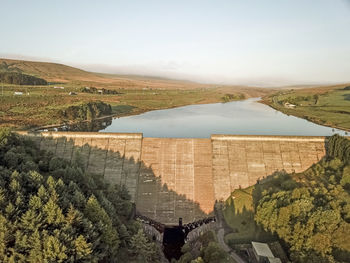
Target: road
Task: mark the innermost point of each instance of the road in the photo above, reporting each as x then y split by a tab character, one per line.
225	247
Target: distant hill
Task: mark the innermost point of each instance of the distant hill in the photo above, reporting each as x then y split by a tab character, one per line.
50	71
59	73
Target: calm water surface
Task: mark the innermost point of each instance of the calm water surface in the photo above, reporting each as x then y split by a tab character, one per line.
246	117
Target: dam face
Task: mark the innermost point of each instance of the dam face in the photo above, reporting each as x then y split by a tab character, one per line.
170	178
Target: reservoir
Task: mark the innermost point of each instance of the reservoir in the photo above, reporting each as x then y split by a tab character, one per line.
247	117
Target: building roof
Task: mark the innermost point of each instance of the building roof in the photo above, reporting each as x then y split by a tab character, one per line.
274	260
262	249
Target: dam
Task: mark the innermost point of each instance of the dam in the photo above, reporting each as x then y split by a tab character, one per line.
169	178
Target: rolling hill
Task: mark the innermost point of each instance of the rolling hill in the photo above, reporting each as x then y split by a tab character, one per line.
59	73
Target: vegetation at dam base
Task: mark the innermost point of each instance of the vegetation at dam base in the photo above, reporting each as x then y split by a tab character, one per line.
205	249
309	212
52	211
329	106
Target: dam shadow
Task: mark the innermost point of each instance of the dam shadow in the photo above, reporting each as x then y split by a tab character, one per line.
119	163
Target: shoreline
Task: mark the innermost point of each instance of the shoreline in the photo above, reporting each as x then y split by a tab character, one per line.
262	101
141	111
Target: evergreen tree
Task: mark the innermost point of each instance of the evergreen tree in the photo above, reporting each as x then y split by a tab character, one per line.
83	249
53	249
142	248
53	213
36	249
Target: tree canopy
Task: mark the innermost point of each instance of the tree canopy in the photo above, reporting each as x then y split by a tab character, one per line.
86	111
310	211
20	79
53	211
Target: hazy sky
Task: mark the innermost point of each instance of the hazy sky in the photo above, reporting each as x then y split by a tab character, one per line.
250	42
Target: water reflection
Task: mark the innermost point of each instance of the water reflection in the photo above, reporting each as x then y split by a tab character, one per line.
89	126
200	121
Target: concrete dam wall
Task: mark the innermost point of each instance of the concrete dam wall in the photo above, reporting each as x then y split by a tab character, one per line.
170	178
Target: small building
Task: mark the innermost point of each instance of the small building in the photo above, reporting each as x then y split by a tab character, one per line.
18	93
58	87
100	91
289	105
72	93
274	260
263	253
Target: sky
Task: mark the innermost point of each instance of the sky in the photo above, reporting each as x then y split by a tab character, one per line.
248	42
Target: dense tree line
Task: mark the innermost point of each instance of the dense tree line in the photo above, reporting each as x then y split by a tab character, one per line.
20	79
297	99
51	210
231	97
310	211
86	111
94	90
338	147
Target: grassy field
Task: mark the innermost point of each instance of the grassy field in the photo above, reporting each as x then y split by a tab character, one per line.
329	106
239	216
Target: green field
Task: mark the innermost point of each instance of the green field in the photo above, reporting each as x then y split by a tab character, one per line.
325	106
239	216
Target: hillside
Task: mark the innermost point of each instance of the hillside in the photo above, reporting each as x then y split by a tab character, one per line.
52	72
59	73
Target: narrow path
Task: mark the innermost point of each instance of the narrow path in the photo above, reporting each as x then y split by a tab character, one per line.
221	241
220	235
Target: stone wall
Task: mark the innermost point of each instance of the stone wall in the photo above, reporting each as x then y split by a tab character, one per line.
170	178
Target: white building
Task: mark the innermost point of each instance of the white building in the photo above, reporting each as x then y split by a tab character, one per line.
19	93
289	105
263	253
